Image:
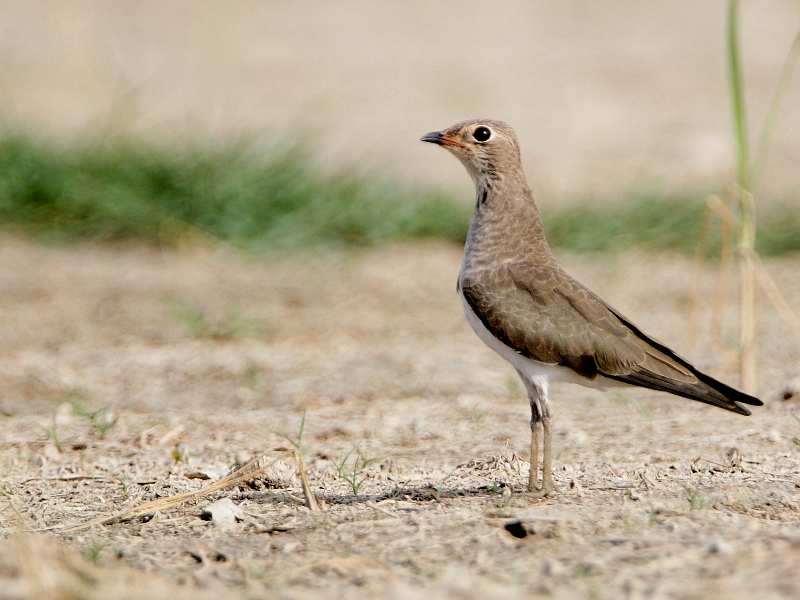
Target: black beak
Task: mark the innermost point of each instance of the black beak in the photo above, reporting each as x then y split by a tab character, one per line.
434	137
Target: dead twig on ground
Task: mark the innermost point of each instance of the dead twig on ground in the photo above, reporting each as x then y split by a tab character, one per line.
240	475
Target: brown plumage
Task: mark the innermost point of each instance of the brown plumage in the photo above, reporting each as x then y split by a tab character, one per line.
545	323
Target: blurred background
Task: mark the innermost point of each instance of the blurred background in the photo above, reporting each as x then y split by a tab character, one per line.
610	100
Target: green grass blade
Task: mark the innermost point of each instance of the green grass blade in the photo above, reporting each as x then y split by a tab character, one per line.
737	99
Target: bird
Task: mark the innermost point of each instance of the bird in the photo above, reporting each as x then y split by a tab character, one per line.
526	308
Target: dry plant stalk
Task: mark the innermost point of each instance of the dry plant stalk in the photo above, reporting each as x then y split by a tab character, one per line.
727	227
758	272
775	297
747	224
311	501
747	177
694	296
297	451
728	222
747	313
147	508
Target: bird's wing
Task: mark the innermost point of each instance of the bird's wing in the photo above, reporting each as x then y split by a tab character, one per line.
547	316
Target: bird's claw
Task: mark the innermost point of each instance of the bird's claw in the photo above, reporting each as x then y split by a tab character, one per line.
542	491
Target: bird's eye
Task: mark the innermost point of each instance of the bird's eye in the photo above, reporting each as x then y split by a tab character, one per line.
481	134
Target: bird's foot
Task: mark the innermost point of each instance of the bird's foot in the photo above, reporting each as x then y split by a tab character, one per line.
542	491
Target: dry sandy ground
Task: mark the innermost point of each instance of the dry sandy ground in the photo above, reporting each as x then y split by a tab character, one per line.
653	501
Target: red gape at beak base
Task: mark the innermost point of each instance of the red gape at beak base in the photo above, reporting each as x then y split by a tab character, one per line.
437	137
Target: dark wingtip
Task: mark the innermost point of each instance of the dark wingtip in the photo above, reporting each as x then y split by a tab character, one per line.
734	399
734	396
746	399
751	400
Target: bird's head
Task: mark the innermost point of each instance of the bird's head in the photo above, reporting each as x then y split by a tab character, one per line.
488	149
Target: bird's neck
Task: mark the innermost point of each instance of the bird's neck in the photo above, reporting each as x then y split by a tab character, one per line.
506	225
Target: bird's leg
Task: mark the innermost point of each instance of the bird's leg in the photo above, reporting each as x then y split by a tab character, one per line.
540	418
534	476
547	469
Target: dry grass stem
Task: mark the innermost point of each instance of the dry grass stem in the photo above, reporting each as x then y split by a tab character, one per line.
311	501
240	475
727	225
756	270
694	296
747	287
775	297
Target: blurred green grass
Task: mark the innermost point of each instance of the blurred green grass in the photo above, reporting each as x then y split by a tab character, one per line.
658	222
261	198
276	197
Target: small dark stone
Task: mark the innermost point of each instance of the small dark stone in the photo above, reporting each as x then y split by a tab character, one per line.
517	529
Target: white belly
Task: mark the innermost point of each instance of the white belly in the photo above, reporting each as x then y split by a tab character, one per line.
531	369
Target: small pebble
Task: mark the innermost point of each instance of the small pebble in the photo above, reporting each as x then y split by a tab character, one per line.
720	547
224	513
775	436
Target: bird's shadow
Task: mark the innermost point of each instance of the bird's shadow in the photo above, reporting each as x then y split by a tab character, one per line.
422	494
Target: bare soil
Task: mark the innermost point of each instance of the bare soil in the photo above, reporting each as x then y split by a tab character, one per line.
200	355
